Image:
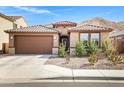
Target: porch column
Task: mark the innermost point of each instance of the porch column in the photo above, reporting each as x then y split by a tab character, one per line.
11	44
89	36
74	38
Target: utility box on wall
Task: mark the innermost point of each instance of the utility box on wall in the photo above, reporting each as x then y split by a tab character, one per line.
5	48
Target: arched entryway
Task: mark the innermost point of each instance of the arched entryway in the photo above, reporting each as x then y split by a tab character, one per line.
65	40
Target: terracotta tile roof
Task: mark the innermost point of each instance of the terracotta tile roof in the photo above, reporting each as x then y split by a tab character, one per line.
36	28
118	33
88	27
65	23
49	25
10	18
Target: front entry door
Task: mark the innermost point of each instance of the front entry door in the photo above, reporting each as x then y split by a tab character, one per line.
65	40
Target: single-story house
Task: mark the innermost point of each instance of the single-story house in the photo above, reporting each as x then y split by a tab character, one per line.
45	39
117	38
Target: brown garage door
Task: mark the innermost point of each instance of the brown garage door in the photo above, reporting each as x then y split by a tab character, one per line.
33	44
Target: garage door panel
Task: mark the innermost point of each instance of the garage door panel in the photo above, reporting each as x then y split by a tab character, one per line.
33	44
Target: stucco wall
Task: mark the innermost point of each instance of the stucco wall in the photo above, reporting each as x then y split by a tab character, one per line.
63	29
74	37
21	22
56	40
4	25
103	36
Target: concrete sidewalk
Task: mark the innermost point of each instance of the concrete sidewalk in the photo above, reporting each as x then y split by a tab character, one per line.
51	73
99	73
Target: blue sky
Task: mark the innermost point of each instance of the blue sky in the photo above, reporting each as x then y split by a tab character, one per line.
47	14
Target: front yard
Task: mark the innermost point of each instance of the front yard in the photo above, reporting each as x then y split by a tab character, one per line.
82	63
89	56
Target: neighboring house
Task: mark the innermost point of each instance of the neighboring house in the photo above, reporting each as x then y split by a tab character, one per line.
9	22
117	39
45	39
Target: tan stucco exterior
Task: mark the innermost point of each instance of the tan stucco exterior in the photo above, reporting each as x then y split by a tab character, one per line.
103	35
63	29
21	22
6	24
74	37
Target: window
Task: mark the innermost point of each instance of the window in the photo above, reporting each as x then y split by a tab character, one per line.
95	37
84	37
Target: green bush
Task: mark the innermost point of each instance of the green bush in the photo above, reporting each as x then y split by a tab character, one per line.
91	47
92	59
79	49
61	51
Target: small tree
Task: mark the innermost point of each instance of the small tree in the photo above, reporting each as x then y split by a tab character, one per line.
79	48
91	47
61	51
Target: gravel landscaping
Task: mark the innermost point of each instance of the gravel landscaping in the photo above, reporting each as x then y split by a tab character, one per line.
82	63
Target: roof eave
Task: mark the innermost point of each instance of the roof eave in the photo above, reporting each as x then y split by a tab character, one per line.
7	31
4	16
89	30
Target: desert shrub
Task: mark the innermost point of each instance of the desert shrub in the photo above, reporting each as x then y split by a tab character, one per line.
61	51
91	47
111	52
114	58
79	48
107	47
67	58
100	54
92	59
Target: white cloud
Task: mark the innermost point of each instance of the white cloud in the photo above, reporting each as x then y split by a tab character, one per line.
33	10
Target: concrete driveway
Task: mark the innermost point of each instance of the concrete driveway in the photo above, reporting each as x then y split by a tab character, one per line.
29	66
